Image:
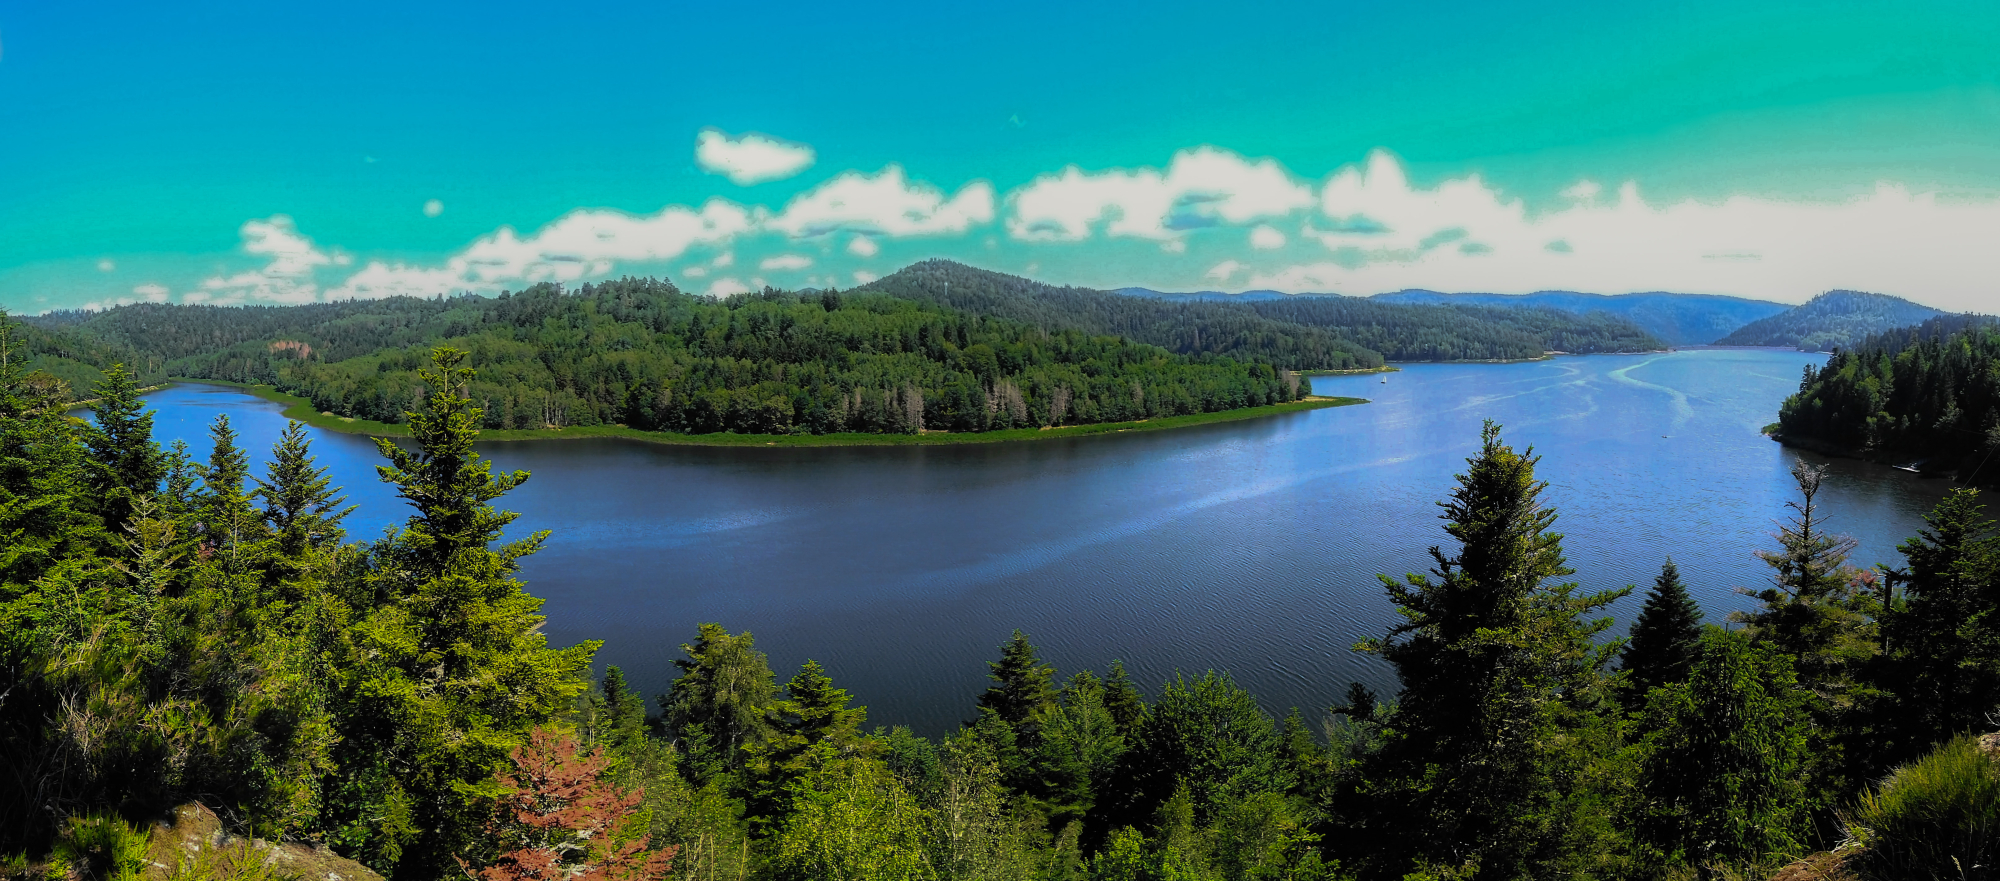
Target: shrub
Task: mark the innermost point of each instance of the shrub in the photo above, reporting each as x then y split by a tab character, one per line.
103	846
1938	817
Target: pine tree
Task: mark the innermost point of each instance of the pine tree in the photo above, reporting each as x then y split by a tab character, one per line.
810	726
1662	640
1500	673
1810	612
121	442
1021	682
450	670
624	720
226	515
1123	700
301	505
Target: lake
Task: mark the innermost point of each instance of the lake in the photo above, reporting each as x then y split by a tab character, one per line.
1250	547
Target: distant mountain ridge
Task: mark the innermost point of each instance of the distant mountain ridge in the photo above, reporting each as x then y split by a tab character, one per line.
1299	332
1677	319
1833	320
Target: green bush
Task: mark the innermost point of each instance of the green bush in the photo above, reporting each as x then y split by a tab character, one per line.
1938	817
103	846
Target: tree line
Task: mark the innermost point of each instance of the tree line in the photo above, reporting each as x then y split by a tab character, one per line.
639	352
1927	393
174	627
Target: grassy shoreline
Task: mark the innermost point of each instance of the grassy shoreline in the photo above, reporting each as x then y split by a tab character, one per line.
1386	368
301	409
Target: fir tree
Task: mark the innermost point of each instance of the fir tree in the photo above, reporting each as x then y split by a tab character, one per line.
1123	700
1021	682
226	515
121	442
1500	672
1662	641
1810	612
301	505
1943	640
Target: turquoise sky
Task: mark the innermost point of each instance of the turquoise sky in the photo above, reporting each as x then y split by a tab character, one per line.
242	152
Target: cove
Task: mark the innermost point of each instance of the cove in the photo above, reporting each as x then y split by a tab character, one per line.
1250	546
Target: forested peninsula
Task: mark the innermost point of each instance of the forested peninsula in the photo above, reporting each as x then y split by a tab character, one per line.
937	348
1927	394
176	629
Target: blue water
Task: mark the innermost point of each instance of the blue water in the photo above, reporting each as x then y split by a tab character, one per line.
1250	547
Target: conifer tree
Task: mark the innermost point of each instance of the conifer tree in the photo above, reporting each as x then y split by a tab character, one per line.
301	504
452	671
1725	752
1123	700
121	443
812	724
724	692
1500	672
1943	640
226	515
624	710
1661	643
1810	612
1021	682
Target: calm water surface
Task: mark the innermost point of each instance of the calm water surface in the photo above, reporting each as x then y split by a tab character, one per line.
1250	547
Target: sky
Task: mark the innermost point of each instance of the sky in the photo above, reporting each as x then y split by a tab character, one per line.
225	152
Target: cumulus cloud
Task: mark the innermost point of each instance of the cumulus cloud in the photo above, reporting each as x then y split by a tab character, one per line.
886	203
579	244
287	276
863	276
751	158
1222	271
863	246
106	265
1266	237
433	208
1382	234
151	292
785	262
696	271
1200	187
726	258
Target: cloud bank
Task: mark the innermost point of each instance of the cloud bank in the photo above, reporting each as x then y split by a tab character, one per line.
1215	217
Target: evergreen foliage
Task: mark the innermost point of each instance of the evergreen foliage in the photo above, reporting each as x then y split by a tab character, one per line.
1660	646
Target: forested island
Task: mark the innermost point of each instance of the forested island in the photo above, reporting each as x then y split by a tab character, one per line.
938	347
175	629
1926	394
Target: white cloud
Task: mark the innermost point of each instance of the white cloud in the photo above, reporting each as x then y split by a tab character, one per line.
1201	187
785	262
1174	246
695	271
1583	190
885	204
1384	234
106	265
577	245
433	208
286	278
751	158
151	292
1222	271
1265	238
726	258
863	276
724	287
863	246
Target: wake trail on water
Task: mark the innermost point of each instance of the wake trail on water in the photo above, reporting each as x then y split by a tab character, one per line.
1682	410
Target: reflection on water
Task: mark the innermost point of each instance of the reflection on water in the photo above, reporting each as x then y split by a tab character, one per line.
1251	547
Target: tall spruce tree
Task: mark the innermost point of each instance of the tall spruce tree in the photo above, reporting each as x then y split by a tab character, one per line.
1662	640
1502	684
121	443
301	504
449	671
226	515
1022	684
1811	611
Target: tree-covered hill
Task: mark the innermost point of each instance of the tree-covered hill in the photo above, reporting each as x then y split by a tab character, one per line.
642	353
1296	332
1832	320
1925	393
1679	319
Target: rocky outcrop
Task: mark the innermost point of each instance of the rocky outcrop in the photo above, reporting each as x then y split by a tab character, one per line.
196	838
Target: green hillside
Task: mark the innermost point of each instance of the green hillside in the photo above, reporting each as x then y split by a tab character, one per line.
1830	321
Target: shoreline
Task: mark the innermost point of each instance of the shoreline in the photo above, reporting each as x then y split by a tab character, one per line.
301	409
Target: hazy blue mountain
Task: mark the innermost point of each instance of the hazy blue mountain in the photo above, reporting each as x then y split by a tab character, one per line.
1835	319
